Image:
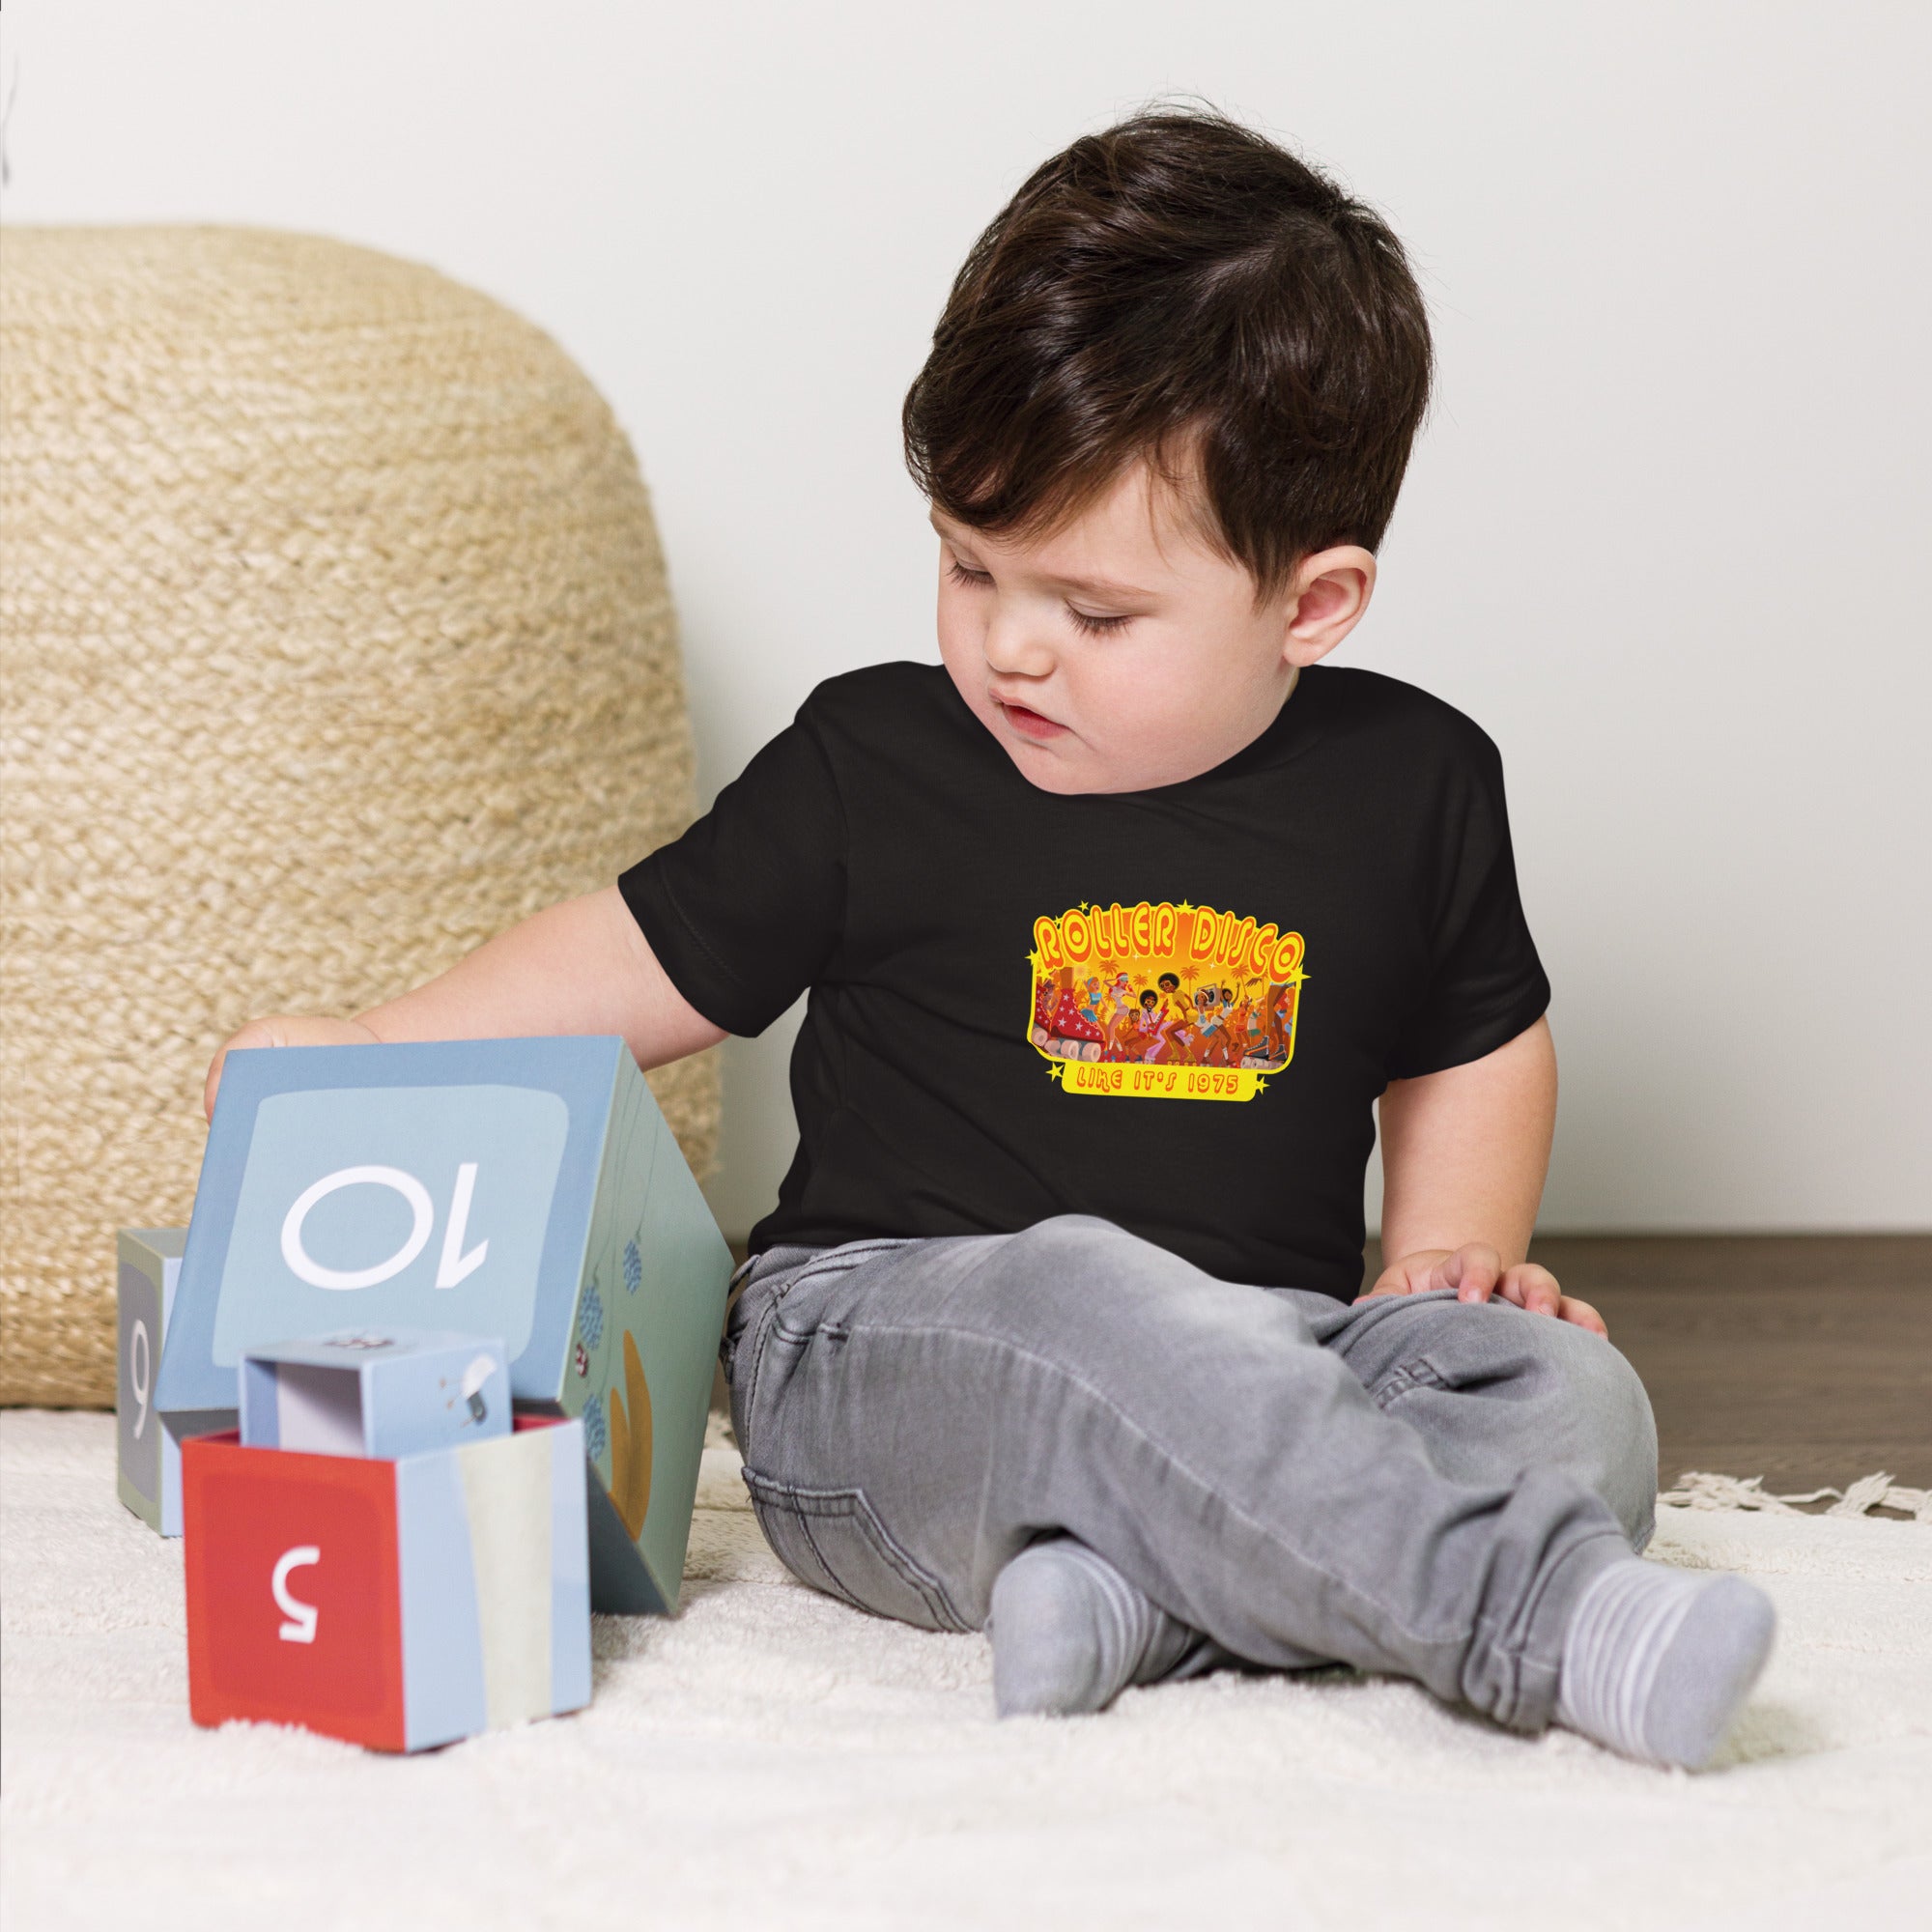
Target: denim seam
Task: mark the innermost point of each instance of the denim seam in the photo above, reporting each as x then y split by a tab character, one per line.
770	1497
1512	1644
803	1502
1514	1649
1177	1464
831	1586
872	1525
1533	1605
841	1259
1404	1376
768	1321
838	1589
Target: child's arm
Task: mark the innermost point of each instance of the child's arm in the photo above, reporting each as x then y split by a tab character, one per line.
577	968
1463	1156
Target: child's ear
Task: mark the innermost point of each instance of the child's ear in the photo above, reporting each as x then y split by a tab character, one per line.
1324	601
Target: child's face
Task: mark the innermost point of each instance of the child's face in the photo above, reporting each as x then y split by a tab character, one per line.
1123	651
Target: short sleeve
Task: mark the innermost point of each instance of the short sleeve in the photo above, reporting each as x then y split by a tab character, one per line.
746	908
1484	982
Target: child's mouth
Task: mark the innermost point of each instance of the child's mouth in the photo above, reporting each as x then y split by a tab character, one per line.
1030	723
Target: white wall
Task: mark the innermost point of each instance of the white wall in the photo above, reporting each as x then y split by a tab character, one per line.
1664	537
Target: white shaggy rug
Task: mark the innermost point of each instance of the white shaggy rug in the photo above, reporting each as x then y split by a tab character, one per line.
772	1759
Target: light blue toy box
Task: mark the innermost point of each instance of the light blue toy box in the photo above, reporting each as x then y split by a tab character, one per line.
524	1188
381	1395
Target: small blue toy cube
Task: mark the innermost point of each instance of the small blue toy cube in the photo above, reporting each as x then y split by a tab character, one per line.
384	1394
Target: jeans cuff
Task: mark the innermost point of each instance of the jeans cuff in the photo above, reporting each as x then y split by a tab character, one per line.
1540	1663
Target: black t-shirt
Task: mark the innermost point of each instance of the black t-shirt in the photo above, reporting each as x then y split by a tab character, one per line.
1172	1009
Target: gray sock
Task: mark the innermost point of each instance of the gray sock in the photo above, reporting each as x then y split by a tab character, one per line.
1071	1633
1657	1663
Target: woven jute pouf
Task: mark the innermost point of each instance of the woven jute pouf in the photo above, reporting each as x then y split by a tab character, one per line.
336	639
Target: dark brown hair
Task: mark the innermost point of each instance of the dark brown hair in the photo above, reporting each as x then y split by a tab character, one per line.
1178	290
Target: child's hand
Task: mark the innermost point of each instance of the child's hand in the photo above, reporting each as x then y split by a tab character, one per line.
1476	1272
285	1030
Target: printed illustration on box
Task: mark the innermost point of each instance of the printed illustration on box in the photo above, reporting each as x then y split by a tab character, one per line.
400	1604
525	1188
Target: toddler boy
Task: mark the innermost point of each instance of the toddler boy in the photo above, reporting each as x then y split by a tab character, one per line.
1053	1329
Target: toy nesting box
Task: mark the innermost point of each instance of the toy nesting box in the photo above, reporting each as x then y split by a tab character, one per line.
148	1267
372	1394
522	1188
397	1604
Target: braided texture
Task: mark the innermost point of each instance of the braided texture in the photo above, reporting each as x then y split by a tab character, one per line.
336	639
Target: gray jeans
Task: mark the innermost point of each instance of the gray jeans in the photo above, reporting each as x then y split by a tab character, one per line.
1410	1485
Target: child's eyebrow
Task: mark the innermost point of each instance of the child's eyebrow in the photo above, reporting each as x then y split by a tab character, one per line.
1091	587
1098	586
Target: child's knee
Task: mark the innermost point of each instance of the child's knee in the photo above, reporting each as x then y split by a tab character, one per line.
1607	1421
1559	1398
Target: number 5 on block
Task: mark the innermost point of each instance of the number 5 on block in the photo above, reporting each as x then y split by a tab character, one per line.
302	1616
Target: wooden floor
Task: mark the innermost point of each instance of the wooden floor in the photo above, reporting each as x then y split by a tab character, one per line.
1803	1359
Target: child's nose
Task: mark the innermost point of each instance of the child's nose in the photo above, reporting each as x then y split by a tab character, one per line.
1016	649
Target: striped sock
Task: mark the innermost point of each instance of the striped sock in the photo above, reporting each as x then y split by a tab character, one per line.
1070	1632
1657	1663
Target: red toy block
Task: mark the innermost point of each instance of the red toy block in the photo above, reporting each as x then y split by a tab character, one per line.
401	1604
293	1609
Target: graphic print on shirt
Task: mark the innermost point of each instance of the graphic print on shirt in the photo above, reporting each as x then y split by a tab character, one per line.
1163	1002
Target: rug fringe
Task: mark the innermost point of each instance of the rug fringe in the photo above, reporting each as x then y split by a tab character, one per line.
1700	1489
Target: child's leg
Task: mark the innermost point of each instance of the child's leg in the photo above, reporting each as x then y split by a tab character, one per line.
1490	1389
1655	1662
912	1423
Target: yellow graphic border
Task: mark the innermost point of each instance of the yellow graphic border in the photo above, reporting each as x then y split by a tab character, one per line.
1104	959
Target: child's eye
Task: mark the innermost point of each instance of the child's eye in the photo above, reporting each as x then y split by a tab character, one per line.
974	579
1097	627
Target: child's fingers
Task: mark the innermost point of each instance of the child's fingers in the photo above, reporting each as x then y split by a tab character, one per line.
1413	1275
1533	1289
256	1033
282	1029
1473	1271
1583	1316
1391	1282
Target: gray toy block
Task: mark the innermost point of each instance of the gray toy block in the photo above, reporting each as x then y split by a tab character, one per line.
149	1476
